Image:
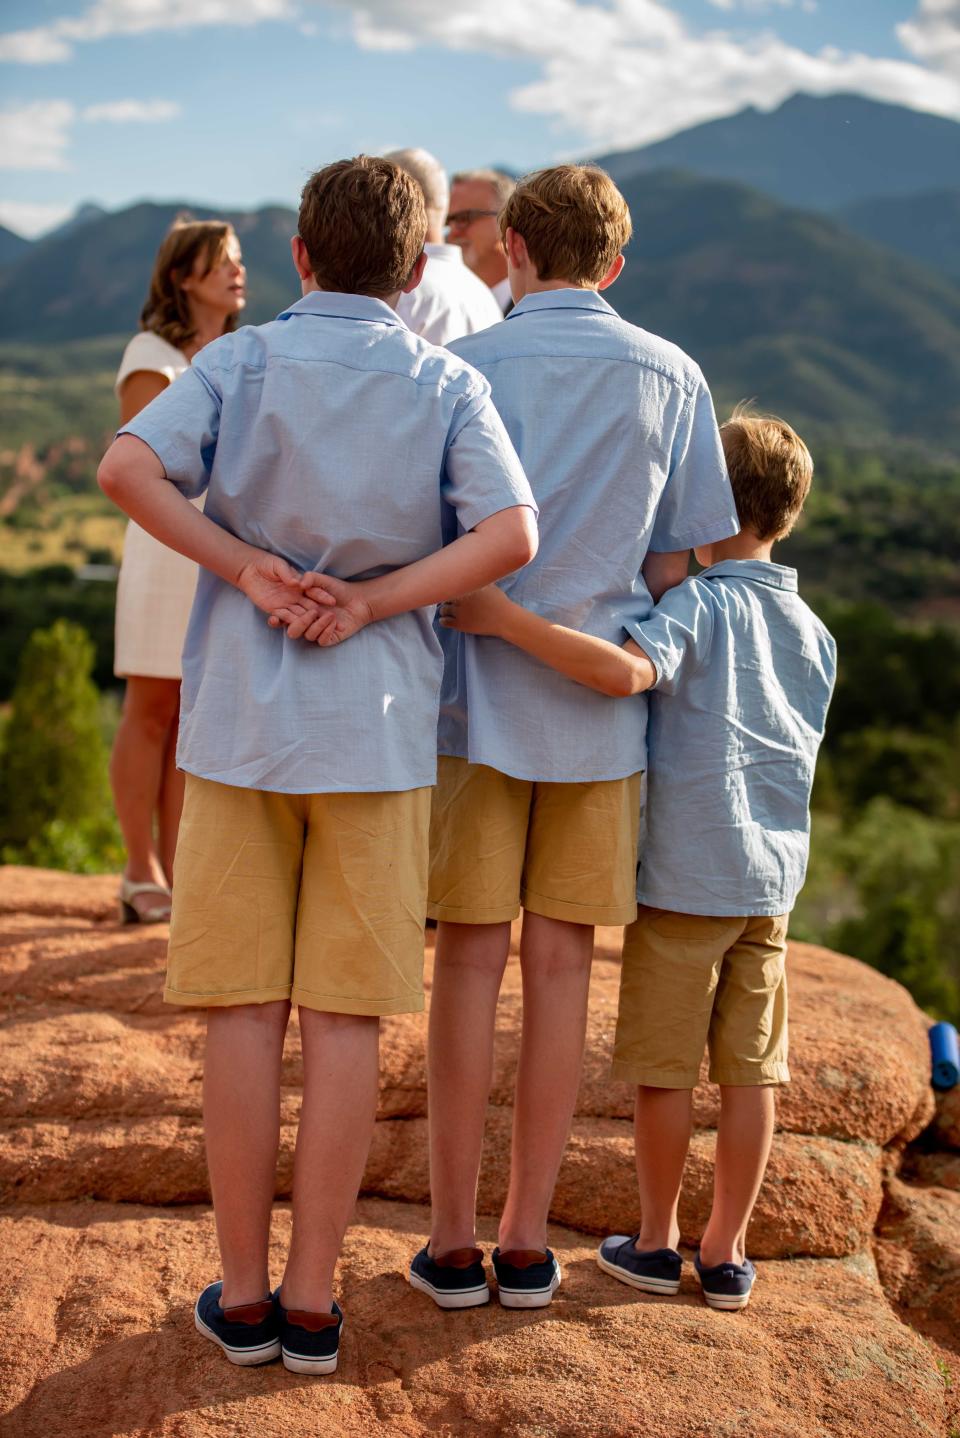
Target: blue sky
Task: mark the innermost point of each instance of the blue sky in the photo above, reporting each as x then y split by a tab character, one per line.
233	102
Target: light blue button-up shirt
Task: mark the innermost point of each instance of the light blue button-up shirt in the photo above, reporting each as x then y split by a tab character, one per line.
616	432
745	671
332	437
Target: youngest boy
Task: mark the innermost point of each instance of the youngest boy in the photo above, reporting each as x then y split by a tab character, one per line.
743	673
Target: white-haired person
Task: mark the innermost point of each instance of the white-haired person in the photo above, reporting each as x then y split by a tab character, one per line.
450	301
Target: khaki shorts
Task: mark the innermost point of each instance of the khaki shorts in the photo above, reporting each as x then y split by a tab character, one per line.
315	898
690	980
568	851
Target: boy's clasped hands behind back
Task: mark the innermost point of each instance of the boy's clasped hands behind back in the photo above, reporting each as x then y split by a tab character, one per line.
310	850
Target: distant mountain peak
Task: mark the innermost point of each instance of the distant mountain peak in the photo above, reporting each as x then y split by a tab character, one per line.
84	214
814	151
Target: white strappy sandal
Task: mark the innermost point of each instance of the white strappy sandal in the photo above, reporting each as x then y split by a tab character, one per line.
157	914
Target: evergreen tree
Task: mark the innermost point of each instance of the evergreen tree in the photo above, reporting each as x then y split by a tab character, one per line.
53	766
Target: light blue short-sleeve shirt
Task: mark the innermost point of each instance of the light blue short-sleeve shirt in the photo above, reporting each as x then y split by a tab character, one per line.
337	439
616	432
745	671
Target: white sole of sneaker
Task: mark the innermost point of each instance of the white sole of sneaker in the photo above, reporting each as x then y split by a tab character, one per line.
723	1302
309	1365
243	1357
531	1298
466	1298
663	1286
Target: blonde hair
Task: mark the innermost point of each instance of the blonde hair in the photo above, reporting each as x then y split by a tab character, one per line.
770	471
166	311
573	219
363	222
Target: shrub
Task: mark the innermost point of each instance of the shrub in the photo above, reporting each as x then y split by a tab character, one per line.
53	767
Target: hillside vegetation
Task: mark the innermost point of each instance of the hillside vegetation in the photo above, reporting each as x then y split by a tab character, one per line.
774	302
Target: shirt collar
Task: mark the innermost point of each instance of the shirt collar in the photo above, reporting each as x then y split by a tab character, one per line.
761	571
343	307
435	251
571	299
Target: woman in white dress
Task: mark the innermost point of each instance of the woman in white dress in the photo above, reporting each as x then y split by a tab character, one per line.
196	292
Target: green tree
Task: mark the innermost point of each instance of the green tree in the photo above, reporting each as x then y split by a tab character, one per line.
904	870
53	767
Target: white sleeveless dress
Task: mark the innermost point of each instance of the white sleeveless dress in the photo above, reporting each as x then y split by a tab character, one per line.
156	584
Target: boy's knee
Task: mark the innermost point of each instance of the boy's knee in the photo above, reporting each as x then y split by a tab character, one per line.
321	1022
480	947
267	1017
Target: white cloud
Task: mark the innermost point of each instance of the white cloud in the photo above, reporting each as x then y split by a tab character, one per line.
142	112
35	137
933	35
48	43
629	72
763	7
32	220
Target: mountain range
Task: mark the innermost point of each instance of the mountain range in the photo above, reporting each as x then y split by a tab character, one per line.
809	276
815	152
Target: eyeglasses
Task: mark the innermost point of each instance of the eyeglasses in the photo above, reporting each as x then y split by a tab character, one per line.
467	217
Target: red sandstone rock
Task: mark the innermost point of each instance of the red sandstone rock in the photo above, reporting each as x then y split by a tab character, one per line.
99	1098
933	1169
918	1255
819	1197
99	1314
946	1122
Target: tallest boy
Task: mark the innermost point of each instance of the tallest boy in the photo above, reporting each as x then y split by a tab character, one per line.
539	785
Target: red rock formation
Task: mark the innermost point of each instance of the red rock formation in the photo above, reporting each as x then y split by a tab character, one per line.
100	1119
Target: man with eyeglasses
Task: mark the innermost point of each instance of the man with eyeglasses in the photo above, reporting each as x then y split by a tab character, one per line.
476	199
449	301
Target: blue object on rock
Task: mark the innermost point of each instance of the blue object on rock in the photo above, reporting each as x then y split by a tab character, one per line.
945	1056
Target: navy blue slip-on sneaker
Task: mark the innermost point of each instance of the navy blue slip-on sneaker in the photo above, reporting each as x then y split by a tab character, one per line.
656	1270
453	1280
248	1334
310	1342
726	1285
526	1277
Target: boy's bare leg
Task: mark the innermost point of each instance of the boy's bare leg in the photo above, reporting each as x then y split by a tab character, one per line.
340	1074
241	1120
662	1121
744	1136
555	960
170	804
470	960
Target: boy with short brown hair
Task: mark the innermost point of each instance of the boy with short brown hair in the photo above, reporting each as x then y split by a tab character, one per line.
328	438
743	673
538	796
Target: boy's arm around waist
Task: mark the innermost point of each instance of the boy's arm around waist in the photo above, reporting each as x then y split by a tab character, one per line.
596	663
496	546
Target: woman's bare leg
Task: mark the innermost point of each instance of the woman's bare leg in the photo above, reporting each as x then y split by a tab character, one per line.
136	773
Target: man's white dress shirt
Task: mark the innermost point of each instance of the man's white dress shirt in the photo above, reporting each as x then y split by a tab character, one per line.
449	301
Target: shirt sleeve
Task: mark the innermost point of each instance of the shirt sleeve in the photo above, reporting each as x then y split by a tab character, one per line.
482	473
181	427
697	505
677	636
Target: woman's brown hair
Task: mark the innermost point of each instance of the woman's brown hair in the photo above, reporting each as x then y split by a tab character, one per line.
167	310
